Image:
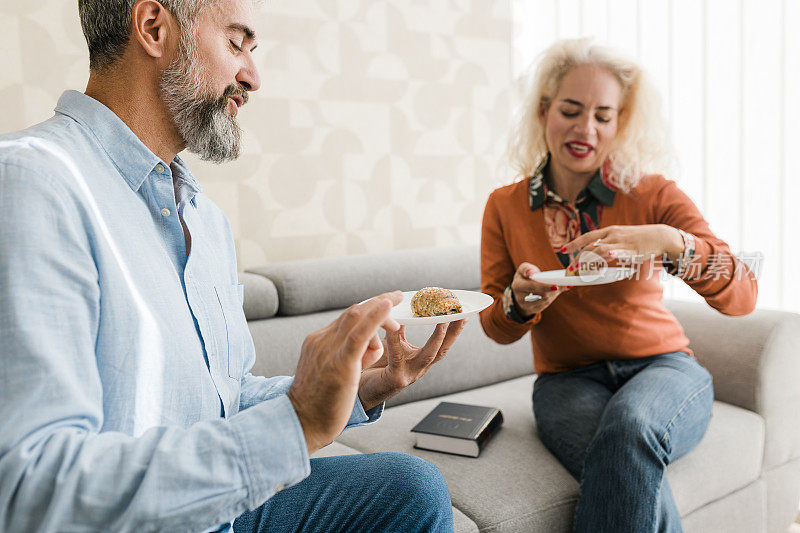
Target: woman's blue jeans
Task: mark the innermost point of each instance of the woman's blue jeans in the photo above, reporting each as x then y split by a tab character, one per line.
376	492
616	425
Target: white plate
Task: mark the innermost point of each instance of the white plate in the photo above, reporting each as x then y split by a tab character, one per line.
471	303
604	275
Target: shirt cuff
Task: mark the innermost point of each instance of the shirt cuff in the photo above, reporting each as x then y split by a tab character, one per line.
359	417
273	447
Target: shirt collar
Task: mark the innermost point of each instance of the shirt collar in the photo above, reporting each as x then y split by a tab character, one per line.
600	189
538	192
132	158
184	176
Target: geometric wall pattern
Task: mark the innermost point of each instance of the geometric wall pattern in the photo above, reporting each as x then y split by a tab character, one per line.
379	125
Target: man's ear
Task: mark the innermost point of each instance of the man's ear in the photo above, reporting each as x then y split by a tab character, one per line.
154	29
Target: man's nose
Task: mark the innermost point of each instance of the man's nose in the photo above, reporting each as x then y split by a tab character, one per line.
248	76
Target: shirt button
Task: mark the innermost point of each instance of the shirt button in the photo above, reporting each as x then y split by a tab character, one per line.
165	212
160	168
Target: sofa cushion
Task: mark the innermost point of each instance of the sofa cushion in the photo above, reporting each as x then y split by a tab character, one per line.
728	458
311	285
517	485
462	523
742	511
260	296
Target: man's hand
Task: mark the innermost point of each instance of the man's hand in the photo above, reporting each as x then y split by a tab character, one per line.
402	363
326	381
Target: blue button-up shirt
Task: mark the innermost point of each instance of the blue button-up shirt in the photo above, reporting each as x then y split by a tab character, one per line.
126	401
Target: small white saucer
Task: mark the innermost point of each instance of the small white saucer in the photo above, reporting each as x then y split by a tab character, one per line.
600	277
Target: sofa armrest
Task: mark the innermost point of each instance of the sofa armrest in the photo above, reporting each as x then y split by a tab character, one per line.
755	363
260	296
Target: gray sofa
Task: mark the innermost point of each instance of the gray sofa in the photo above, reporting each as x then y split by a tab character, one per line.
744	476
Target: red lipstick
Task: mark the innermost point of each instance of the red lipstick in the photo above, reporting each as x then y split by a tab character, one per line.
579	149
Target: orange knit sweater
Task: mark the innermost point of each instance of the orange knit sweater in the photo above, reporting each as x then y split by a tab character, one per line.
621	320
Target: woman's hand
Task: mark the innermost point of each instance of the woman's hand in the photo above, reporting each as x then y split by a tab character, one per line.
614	242
522	285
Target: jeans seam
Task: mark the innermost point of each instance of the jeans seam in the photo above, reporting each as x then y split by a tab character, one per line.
681	410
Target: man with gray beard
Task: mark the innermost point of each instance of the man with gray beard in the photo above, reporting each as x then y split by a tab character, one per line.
200	116
126	399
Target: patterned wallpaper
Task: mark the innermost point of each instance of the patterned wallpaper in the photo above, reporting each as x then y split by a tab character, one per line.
380	124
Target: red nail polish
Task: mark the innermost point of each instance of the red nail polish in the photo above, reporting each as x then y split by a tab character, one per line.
553	288
570	286
563	249
611	253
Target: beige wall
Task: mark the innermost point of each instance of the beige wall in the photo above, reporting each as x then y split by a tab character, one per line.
380	125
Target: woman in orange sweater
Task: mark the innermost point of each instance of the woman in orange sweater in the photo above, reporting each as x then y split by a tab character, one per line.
618	394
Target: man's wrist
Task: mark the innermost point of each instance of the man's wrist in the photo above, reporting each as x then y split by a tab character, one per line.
311	443
367	406
369	397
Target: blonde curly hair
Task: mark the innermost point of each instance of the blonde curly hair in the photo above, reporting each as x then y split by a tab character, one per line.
642	145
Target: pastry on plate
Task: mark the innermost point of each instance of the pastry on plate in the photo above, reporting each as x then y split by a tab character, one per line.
434	301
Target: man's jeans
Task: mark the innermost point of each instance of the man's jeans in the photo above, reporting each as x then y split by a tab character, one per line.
615	426
377	492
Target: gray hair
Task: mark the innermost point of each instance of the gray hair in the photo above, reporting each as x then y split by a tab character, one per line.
106	25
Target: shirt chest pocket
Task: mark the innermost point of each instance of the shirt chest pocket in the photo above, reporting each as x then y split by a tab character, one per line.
232	340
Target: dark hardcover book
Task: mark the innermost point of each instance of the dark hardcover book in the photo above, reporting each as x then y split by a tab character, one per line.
457	428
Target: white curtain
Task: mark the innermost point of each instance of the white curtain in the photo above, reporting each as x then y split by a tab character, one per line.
729	76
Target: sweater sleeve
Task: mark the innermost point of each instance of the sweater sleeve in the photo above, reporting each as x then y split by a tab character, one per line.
497	272
726	283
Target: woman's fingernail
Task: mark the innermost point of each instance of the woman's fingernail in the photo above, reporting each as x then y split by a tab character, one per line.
569	286
563	249
553	288
611	253
529	273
